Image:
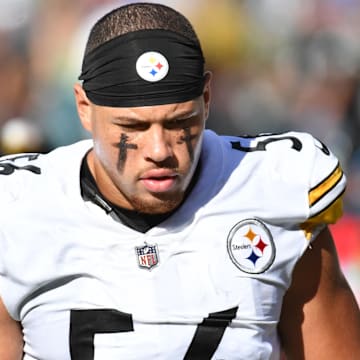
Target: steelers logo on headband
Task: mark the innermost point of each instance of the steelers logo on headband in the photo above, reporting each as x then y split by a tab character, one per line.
152	66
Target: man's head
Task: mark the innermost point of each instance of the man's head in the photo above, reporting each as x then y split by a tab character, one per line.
145	98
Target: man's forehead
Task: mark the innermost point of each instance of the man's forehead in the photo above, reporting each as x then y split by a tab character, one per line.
157	112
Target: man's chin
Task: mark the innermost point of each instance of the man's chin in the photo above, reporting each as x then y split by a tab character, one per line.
156	205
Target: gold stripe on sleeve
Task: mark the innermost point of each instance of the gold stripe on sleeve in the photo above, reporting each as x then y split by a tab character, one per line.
320	190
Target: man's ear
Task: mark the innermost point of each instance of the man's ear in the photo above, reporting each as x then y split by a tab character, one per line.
207	92
84	107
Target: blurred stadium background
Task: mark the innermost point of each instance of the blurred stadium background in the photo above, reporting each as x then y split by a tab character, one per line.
277	64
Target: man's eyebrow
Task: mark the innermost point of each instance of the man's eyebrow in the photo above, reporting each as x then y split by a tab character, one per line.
128	119
184	115
180	116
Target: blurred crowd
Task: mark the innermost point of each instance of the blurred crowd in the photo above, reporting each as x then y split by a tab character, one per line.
278	65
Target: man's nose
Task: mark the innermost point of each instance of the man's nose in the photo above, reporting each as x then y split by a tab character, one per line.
158	144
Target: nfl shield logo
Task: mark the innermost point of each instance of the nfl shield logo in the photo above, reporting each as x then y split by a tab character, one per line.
147	256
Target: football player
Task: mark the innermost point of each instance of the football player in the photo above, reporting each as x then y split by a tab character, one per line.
158	239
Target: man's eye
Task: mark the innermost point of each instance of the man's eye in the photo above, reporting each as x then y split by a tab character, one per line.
133	127
177	124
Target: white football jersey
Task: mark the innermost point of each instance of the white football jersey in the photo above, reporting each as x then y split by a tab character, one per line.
207	283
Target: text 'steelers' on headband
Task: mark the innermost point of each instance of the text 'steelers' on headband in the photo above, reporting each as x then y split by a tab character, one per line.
145	67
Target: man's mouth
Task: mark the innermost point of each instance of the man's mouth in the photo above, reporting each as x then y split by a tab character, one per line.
159	180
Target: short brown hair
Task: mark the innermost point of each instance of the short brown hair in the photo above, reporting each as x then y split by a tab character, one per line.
139	16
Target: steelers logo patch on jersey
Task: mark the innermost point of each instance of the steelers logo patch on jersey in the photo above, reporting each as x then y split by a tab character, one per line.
152	66
250	246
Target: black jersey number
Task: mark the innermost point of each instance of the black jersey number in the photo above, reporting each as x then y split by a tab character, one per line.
8	166
261	145
84	324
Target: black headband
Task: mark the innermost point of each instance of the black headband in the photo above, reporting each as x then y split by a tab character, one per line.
145	67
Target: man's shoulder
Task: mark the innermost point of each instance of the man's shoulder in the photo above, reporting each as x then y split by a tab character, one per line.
287	176
293	157
26	173
286	144
285	152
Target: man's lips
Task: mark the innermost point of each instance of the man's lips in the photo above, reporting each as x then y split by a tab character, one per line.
159	180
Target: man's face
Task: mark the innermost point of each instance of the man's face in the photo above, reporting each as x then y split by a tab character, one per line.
144	157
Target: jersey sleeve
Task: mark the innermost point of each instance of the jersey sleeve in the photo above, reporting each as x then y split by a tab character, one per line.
327	186
14	171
